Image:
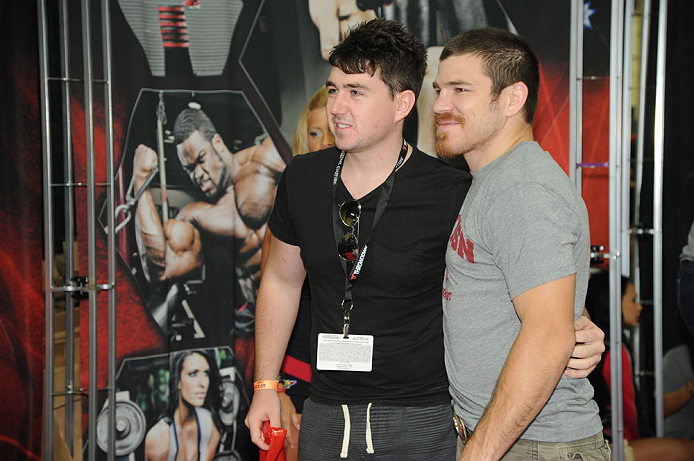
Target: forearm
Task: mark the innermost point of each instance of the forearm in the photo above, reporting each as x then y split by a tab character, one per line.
275	315
674	401
152	237
533	368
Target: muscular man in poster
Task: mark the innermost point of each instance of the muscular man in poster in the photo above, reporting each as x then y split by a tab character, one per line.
239	192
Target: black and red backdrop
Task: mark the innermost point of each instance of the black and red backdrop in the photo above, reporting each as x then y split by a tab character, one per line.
250	65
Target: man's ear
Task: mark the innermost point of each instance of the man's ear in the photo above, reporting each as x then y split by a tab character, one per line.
218	142
517	95
405	103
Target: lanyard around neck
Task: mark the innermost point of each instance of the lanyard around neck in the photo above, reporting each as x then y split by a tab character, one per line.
386	188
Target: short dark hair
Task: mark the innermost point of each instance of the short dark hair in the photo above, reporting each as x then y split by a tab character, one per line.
506	59
383	45
191	120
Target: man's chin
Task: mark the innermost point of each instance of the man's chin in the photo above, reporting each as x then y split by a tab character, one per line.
445	150
212	194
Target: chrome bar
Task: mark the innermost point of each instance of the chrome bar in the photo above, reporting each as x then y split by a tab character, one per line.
658	142
641	133
91	226
615	227
575	85
69	228
626	134
79	184
161	115
111	236
47	451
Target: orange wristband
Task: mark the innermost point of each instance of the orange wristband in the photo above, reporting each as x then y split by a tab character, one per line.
265	384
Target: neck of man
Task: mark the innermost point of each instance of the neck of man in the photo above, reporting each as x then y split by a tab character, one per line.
228	179
364	170
496	147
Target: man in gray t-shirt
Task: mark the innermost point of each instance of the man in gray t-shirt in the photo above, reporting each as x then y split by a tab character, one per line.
517	263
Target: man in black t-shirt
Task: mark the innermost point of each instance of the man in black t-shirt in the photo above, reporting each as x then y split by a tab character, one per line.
394	326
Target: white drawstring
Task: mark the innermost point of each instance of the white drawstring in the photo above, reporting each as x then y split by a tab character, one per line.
369	442
345	437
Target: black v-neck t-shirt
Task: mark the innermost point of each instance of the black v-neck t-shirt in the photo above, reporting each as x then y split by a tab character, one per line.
397	297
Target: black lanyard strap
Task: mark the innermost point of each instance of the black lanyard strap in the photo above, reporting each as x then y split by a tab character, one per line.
353	275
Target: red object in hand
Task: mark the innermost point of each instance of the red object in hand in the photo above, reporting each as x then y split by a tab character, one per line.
275	437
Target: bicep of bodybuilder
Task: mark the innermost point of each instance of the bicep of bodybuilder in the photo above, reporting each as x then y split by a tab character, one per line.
180	235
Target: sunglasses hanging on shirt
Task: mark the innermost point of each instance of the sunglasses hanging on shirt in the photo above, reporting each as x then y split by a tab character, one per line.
348	214
348	245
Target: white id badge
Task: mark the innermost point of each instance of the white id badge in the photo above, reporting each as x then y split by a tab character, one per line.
337	353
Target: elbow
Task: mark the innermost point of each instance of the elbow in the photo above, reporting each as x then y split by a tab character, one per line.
557	342
563	340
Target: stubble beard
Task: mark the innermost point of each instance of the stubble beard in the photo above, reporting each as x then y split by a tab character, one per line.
347	145
447	148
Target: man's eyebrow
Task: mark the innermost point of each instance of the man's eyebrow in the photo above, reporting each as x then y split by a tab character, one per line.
357	85
453	83
348	85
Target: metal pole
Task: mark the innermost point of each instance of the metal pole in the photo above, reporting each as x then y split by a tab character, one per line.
626	136
638	164
47	452
658	218
91	227
69	229
638	167
111	236
576	94
161	115
616	38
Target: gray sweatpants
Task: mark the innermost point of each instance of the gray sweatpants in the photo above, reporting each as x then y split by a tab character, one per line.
376	432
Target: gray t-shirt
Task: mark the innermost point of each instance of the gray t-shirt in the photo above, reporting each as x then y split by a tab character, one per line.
677	372
522	224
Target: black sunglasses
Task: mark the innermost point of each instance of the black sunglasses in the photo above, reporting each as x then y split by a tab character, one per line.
348	245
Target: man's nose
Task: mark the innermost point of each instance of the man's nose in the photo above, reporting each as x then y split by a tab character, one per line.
198	172
337	106
442	104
